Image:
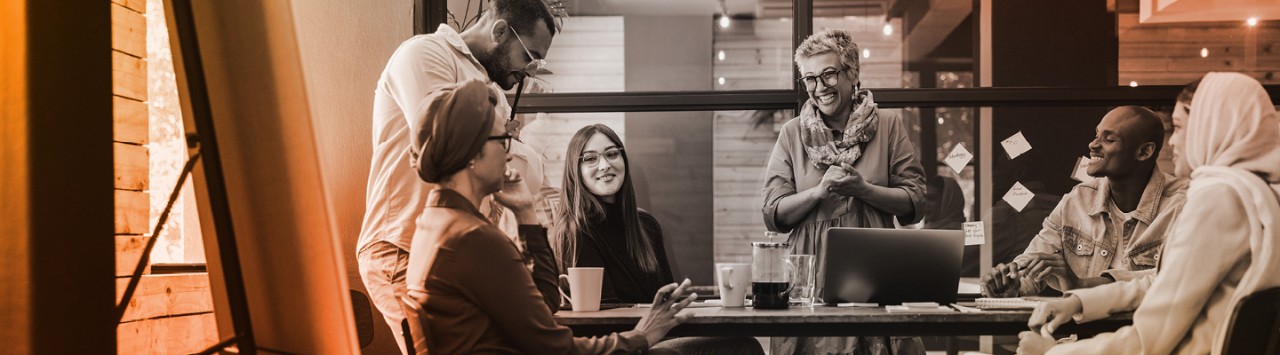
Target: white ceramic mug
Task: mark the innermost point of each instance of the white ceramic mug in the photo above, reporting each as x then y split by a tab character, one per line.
584	284
733	279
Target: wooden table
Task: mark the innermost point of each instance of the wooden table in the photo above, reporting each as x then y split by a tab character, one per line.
827	321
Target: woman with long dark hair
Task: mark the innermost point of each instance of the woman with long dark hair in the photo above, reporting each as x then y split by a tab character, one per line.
600	225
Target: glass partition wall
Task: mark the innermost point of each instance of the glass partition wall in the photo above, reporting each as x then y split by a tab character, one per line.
699	88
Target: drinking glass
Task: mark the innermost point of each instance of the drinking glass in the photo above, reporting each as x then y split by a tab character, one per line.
802	280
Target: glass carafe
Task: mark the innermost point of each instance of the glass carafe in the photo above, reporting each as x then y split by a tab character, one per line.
770	279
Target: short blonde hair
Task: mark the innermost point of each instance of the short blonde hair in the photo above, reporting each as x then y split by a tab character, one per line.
831	41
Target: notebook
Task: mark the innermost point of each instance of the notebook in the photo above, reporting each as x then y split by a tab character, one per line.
1010	303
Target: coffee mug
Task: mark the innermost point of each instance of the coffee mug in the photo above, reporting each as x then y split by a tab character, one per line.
733	279
584	285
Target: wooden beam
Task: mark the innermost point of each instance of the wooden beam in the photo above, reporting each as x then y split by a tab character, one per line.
56	179
128	76
175	335
16	270
166	296
132	167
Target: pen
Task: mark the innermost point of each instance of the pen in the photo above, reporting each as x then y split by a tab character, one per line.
1017	268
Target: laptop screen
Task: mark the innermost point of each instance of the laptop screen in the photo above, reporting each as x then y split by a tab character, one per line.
890	266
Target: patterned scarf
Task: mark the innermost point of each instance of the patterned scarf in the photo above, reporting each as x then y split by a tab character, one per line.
819	141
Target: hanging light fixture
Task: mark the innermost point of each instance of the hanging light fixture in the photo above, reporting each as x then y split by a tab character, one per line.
724	15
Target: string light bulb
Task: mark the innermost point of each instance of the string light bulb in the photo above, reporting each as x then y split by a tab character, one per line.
1252	21
888	29
720	55
1204	52
866	53
724	21
1133	84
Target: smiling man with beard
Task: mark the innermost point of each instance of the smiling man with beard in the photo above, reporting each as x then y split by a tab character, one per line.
1105	230
506	45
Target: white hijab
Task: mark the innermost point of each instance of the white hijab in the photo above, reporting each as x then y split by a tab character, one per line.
1233	124
1231	140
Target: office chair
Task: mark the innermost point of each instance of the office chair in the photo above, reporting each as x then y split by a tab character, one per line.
362	311
1254	326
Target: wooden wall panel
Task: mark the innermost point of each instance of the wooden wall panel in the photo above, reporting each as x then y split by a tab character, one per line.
130	120
131	167
587	56
128	31
132	212
135	5
1170	54
175	335
128	251
167	296
128	76
167	314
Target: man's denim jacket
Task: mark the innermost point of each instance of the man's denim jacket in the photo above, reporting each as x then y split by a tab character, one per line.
1080	228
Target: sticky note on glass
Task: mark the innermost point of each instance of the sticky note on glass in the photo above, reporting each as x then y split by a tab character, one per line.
1018	196
1081	172
974	233
959	158
1015	145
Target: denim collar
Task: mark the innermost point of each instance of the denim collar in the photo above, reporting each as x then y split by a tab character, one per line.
1148	205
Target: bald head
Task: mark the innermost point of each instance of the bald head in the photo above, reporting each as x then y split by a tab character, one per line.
1139	124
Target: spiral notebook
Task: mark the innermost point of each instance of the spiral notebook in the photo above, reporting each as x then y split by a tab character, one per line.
1011	302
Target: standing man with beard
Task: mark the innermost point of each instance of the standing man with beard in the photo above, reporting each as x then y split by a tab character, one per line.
507	44
1108	229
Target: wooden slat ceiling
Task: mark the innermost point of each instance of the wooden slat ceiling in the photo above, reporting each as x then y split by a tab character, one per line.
823	8
741	8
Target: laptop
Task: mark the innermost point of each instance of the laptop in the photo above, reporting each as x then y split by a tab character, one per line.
892	266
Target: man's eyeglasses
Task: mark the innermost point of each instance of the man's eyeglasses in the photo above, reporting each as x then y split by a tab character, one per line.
505	140
829	78
535	64
591	159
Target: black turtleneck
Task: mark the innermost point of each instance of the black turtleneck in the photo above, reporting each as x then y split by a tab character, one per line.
605	245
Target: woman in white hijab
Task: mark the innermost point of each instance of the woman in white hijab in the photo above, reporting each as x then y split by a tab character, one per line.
1226	244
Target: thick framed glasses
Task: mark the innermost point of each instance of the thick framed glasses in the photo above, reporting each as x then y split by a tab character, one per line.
829	78
505	140
591	159
535	63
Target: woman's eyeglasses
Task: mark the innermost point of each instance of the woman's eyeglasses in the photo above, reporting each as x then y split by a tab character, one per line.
505	140
829	78
591	159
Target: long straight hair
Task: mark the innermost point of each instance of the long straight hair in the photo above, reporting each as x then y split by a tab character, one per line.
583	213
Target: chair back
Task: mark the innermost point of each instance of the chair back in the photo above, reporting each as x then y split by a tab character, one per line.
362	311
414	327
1254	326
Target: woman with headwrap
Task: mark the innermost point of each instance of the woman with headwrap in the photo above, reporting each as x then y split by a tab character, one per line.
468	277
1224	246
841	163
